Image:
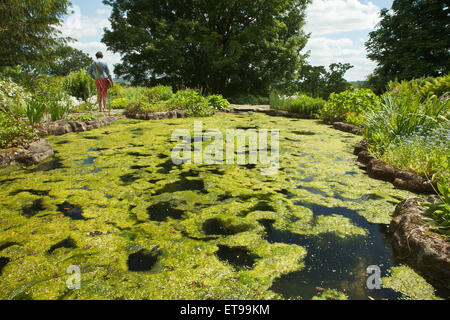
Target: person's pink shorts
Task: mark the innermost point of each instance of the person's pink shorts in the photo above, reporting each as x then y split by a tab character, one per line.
102	88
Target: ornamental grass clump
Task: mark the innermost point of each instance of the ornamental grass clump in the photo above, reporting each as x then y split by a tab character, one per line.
301	104
411	130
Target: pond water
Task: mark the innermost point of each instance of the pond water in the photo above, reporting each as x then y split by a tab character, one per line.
140	227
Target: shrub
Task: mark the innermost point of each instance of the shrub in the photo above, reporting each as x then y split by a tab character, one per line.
117	91
160	93
119	103
218	102
401	116
301	104
427	155
13	131
138	106
191	101
13	96
143	106
80	85
88	117
436	86
349	105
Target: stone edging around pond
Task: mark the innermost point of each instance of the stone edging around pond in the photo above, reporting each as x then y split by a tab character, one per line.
282	113
174	114
35	153
402	179
347	127
41	150
415	244
61	127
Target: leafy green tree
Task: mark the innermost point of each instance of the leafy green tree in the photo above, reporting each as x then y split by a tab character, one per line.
335	78
65	60
412	41
312	80
316	81
29	29
222	46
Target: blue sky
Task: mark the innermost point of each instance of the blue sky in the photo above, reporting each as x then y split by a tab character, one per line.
338	30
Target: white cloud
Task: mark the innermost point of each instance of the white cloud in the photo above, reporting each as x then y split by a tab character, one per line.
324	17
325	51
88	31
335	16
327	17
80	26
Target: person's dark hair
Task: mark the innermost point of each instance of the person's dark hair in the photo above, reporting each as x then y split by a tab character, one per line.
99	55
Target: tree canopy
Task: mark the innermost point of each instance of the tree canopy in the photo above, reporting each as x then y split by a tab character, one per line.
65	60
411	41
29	29
223	46
318	82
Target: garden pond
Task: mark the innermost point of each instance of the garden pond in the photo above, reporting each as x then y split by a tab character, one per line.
138	226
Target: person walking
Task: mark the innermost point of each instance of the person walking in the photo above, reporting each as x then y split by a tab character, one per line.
97	71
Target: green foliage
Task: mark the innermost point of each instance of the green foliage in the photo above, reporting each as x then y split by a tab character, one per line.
301	104
29	30
80	85
439	214
349	105
422	25
36	106
139	106
317	82
222	47
218	102
249	99
13	96
428	155
88	116
436	86
64	60
191	101
119	103
117	91
160	93
401	116
411	127
13	131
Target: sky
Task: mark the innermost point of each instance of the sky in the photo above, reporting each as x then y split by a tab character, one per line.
339	29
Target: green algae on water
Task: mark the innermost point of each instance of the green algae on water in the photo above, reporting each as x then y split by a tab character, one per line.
141	227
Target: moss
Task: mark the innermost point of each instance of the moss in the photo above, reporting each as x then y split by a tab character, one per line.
331	295
119	218
407	281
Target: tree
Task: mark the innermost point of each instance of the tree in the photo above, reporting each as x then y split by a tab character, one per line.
335	78
318	82
412	41
222	46
29	29
65	60
312	80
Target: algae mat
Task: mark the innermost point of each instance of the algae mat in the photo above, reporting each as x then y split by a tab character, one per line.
112	204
